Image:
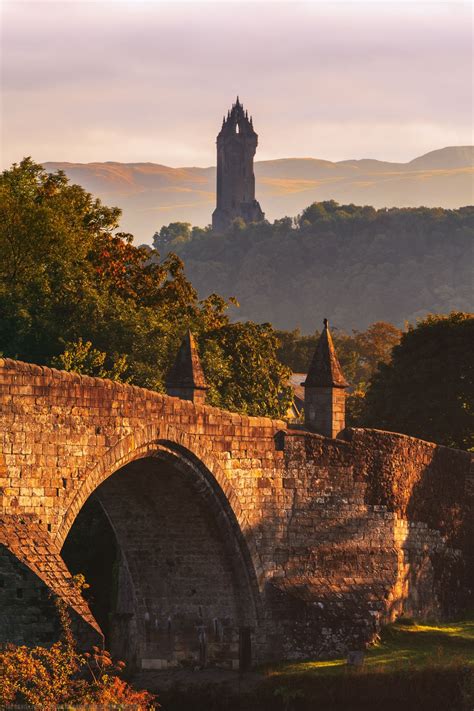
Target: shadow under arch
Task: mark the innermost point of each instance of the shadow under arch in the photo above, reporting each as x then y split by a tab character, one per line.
186	585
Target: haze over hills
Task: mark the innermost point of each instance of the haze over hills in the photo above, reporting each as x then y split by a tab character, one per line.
353	264
151	195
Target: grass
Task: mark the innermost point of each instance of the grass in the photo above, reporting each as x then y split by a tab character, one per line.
404	645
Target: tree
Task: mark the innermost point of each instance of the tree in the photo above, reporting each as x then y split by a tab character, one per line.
427	390
76	293
375	346
47	282
83	358
359	355
241	363
296	350
172	234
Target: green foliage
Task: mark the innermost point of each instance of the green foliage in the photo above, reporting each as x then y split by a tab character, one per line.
404	644
413	666
296	350
47	229
236	358
355	402
427	390
77	294
171	235
354	264
83	358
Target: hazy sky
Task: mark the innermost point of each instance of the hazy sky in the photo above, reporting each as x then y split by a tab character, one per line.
149	80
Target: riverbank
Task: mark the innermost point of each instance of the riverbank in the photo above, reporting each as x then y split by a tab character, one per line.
414	667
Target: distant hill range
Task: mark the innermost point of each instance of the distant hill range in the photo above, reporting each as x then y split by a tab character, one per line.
151	195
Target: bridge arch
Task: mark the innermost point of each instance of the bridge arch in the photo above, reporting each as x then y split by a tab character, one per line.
186	583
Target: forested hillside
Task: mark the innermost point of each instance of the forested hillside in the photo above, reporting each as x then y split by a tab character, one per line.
356	265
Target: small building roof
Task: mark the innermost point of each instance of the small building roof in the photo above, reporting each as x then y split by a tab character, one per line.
295	382
186	371
325	370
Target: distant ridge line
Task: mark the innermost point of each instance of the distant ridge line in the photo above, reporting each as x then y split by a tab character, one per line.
433	153
152	194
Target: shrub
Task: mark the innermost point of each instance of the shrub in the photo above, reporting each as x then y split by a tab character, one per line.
49	677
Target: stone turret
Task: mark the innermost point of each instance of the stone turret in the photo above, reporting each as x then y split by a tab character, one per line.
185	379
236	146
324	395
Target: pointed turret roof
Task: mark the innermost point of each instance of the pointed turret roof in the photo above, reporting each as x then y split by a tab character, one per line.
325	370
186	371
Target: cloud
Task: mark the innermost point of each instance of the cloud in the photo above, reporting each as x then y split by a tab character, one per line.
150	80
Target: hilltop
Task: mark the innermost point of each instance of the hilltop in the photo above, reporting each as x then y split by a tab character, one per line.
151	194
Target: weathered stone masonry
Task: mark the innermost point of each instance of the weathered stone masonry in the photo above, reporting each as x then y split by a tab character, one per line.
234	531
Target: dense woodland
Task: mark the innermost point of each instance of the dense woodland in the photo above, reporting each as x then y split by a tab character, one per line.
355	265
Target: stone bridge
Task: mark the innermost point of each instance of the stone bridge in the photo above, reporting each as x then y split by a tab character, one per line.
235	539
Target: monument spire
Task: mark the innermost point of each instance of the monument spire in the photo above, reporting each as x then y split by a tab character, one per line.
236	146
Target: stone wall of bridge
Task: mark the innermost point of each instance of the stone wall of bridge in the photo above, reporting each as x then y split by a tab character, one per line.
232	530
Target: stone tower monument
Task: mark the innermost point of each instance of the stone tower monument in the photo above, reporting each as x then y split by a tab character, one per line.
236	146
324	394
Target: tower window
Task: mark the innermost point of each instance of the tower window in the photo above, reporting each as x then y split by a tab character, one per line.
237	130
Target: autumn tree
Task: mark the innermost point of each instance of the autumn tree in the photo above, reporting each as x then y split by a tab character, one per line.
75	292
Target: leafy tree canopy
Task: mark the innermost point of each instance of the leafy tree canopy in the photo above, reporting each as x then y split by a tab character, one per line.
427	389
177	233
76	293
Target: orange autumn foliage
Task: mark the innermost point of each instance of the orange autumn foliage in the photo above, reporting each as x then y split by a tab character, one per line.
49	677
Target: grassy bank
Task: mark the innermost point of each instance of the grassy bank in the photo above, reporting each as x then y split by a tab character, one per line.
406	646
414	667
